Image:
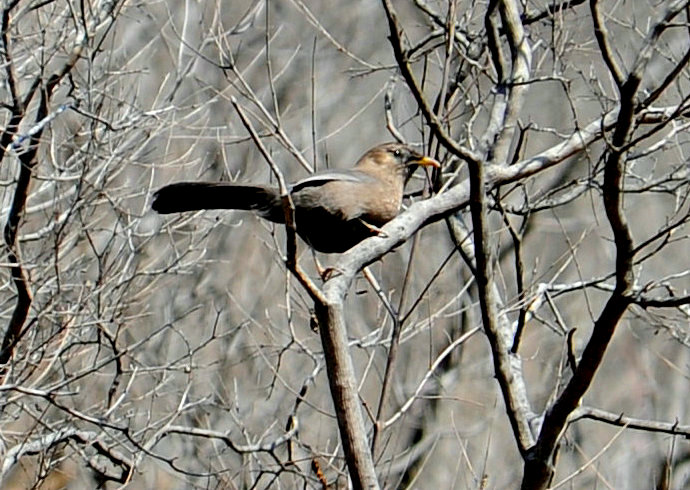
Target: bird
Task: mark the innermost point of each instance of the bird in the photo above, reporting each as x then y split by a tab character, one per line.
334	210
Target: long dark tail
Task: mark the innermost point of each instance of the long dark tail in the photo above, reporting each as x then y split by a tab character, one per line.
193	196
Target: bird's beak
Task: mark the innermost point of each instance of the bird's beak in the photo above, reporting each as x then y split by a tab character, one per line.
425	162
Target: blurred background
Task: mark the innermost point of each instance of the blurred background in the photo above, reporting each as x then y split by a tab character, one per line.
174	351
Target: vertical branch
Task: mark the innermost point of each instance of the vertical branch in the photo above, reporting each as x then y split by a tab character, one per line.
27	161
521	63
500	64
341	379
511	84
390	362
313	105
442	93
5	53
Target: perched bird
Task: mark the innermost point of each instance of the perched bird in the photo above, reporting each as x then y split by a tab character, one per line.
334	209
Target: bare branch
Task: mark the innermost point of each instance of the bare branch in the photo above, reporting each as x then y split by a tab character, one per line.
621	420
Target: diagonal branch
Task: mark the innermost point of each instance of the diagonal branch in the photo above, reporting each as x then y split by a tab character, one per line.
603	39
497	327
404	64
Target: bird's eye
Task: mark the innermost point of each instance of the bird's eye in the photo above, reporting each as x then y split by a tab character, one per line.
397	153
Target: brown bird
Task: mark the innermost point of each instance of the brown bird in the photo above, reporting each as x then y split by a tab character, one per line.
334	209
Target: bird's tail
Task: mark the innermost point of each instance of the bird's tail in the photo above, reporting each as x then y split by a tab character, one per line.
193	196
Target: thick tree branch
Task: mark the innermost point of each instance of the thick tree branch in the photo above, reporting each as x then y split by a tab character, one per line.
341	378
506	119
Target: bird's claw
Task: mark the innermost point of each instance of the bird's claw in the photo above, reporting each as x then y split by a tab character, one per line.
374	229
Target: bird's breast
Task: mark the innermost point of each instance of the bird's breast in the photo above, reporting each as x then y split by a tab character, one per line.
384	209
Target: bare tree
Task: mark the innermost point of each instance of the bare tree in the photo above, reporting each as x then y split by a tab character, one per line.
525	319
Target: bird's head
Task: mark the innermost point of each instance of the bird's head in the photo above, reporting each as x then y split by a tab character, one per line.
394	159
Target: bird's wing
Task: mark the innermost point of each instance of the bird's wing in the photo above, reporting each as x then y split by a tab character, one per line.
321	178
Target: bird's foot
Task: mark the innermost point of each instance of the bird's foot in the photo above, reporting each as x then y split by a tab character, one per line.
319	268
324	273
374	229
329	273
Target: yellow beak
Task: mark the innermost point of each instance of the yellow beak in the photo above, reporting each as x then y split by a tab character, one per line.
427	162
